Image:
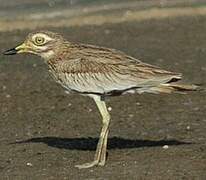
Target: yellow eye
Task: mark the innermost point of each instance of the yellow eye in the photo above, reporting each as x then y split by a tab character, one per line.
39	41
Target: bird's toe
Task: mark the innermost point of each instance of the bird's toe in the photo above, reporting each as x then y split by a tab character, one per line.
87	165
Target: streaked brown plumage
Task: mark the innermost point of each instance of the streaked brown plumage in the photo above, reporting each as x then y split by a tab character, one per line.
98	72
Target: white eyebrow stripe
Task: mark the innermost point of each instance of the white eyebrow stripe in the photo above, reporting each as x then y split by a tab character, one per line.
46	37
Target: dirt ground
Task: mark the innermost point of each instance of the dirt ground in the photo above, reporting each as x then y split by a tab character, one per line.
45	132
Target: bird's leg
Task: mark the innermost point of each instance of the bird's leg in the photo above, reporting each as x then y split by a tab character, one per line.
104	150
102	144
100	155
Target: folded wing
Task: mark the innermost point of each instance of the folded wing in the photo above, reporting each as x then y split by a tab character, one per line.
103	71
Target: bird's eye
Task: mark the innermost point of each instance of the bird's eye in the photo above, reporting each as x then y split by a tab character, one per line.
39	41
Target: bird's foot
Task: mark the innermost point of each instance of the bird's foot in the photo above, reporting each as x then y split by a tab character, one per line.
89	165
101	163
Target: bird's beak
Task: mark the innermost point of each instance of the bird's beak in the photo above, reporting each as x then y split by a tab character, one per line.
19	49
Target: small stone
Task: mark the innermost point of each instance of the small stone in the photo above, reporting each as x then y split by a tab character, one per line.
109	108
52	107
67	92
8	96
69	104
203	68
165	147
188	128
131	115
4	87
196	109
138	103
29	164
34	65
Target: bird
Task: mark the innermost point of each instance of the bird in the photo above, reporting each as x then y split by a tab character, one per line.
98	72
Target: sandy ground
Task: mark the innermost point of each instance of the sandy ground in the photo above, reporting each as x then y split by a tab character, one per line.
45	132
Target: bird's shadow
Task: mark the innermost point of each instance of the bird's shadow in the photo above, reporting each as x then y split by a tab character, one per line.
90	143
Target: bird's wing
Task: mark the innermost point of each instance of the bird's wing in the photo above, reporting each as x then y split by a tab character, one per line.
101	70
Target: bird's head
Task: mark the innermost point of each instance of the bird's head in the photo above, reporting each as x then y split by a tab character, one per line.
42	43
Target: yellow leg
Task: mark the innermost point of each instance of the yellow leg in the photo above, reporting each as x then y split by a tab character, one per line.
104	150
100	155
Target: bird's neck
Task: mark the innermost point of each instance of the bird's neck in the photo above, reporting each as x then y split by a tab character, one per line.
48	55
58	54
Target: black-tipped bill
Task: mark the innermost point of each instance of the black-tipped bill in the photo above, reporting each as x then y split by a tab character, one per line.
11	51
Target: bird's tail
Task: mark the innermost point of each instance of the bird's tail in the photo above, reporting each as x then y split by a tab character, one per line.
175	87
